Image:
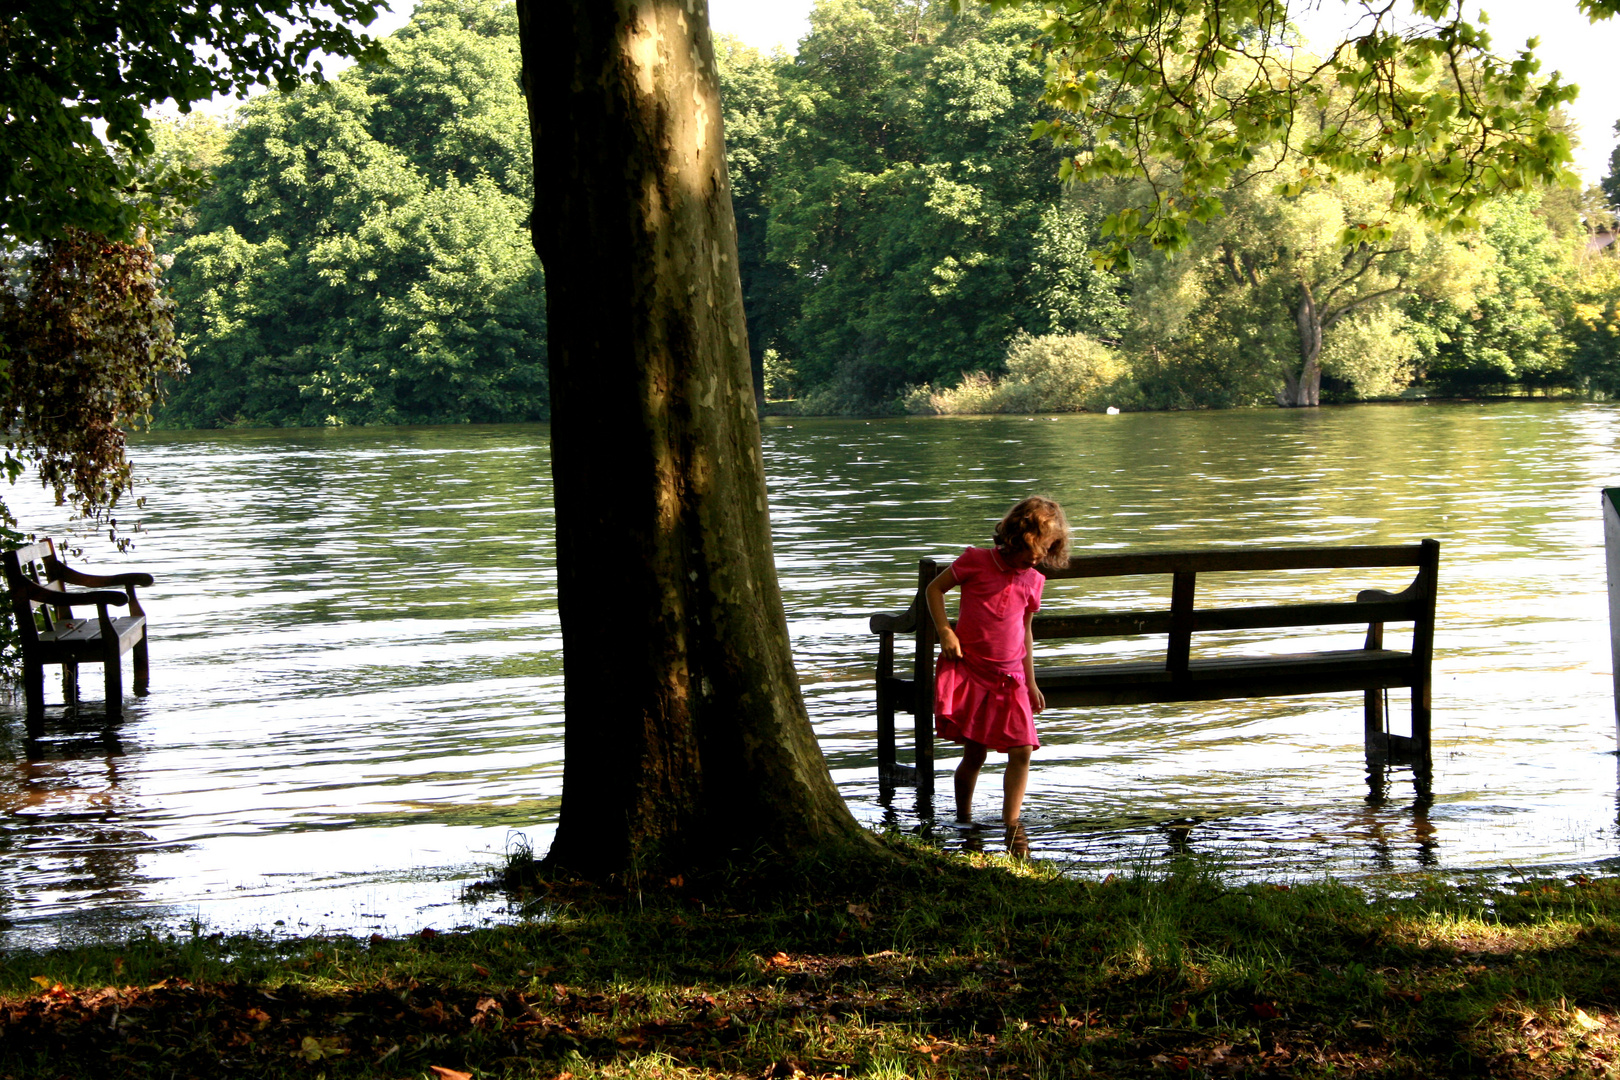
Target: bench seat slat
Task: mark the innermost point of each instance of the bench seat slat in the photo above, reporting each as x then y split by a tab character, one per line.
1214	678
83	636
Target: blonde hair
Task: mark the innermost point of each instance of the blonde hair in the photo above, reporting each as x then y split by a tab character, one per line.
1039	517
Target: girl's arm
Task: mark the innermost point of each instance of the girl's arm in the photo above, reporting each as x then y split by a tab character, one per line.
1037	700
948	644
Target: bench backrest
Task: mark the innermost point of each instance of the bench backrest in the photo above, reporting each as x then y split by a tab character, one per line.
27	574
1414	604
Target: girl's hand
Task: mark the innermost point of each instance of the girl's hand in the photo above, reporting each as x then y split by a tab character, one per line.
949	646
1037	700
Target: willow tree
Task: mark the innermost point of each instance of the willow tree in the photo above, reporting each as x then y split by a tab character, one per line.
686	738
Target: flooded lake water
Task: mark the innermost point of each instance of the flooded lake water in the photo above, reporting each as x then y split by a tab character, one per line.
356	683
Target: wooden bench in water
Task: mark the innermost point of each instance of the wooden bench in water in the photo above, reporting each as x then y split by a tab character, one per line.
43	606
1182	676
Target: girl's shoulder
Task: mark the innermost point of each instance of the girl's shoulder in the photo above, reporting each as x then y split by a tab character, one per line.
971	563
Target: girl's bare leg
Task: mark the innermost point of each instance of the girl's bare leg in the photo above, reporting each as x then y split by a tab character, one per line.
967	775
1014	783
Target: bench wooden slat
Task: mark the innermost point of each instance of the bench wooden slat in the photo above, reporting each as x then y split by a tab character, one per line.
1129	624
1215	678
1348	557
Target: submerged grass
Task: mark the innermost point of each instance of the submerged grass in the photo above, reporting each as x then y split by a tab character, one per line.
940	966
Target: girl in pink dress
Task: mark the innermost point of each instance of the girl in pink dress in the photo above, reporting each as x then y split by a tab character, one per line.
985	696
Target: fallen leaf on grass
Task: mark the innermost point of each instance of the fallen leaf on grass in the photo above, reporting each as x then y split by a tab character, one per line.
481	971
1585	1022
1265	1010
448	1074
1178	1010
313	1049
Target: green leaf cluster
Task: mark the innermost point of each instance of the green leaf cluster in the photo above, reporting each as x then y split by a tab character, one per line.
77	78
87	339
920	225
1191	94
363	256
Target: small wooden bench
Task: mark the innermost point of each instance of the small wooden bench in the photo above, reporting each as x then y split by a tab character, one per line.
1180	675
42	607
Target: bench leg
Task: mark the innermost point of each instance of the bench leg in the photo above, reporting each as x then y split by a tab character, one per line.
1376	739
34	694
1420	725
115	688
142	680
70	685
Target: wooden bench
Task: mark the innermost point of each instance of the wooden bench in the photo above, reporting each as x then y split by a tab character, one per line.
42	606
1182	676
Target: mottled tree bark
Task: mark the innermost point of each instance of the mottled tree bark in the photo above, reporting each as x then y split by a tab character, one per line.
686	737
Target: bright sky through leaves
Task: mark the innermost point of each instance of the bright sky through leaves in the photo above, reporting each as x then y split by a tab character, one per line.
1587	54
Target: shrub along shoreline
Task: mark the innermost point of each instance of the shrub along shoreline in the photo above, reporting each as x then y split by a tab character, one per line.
938	966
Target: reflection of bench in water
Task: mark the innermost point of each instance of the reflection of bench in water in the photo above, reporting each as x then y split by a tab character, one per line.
42	607
1181	676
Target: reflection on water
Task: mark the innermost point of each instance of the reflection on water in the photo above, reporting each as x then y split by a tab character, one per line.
356	694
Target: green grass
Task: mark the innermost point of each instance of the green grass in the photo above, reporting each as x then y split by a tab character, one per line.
944	966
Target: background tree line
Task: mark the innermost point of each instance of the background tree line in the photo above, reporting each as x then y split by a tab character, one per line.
363	257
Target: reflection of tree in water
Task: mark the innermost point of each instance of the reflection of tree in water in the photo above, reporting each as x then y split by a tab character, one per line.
62	801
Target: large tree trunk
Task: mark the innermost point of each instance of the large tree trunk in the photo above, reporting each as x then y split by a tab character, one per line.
686	739
1304	389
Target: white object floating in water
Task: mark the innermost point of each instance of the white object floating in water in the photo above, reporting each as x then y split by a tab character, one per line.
1112	411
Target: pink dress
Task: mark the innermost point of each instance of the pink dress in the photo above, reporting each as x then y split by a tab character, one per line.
982	696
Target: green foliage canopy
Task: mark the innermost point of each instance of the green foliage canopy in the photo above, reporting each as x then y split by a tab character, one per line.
1191	94
66	65
914	211
364	255
87	334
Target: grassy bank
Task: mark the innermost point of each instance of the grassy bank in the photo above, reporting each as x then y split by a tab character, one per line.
951	966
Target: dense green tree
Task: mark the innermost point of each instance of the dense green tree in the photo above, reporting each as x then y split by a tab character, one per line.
912	206
750	93
1594	325
1511	336
1254	308
362	257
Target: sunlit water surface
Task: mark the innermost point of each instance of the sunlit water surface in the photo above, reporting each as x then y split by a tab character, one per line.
357	694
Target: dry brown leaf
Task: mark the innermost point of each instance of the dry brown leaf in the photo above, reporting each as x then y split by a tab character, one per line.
448	1074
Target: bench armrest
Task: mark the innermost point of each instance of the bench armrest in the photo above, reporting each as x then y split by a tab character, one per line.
60	571
60	599
79	599
898	623
1369	596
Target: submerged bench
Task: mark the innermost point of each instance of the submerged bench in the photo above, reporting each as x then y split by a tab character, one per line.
43	607
1180	675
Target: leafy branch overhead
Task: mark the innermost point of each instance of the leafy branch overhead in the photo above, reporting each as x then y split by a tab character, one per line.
1196	95
66	65
86	340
